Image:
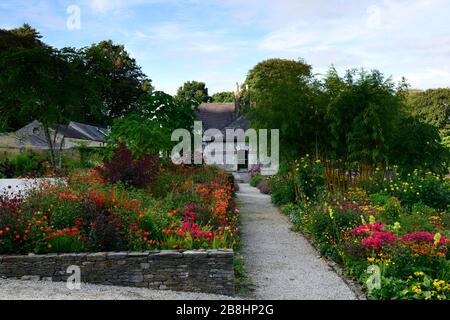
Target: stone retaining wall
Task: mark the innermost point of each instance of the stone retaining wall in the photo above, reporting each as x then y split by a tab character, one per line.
209	271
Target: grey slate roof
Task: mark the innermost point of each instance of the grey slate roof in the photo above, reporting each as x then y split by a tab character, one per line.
239	123
69	132
90	132
32	135
216	115
35	142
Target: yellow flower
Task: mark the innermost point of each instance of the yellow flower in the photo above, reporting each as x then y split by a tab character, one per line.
416	289
318	161
419	273
371	259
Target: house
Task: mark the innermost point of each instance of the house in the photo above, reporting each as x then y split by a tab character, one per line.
223	116
64	137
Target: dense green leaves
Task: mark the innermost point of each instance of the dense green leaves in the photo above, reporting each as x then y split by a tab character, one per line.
362	114
149	129
170	113
355	119
120	80
281	95
223	97
92	85
433	106
418	145
194	90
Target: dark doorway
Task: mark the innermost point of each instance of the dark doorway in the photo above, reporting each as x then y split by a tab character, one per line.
243	166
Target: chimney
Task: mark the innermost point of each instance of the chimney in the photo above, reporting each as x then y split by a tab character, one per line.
237	101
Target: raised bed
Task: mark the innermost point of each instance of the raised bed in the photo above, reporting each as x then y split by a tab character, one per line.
209	271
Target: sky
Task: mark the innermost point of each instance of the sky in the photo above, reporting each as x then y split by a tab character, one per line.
219	41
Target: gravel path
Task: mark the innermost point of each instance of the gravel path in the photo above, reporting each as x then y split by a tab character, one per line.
281	264
44	290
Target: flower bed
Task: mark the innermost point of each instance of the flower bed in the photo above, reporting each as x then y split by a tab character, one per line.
186	208
394	240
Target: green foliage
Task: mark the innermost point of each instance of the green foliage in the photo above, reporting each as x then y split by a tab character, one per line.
282	95
223	97
418	286
40	81
283	190
427	188
309	179
327	225
362	113
255	180
433	107
168	112
24	164
194	91
299	215
142	136
118	77
91	85
417	145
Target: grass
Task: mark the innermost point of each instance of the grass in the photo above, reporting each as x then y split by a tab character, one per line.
241	280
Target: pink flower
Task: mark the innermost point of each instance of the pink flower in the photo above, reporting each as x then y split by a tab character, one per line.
378	239
368	228
423	236
186	226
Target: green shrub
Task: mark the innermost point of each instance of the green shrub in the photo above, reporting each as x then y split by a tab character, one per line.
66	243
417	286
392	208
255	180
309	178
392	211
416	221
445	218
420	208
296	213
379	199
24	164
283	190
328	225
429	188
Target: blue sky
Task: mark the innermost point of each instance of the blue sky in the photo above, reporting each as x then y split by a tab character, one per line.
219	41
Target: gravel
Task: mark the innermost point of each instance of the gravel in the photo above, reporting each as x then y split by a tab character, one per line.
282	264
46	290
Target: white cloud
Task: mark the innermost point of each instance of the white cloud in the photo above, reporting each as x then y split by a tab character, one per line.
104	6
431	77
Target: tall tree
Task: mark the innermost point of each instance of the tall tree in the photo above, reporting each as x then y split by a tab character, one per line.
149	129
194	90
36	84
223	97
433	107
169	112
362	114
282	94
121	79
23	37
417	145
